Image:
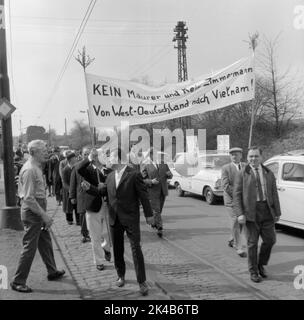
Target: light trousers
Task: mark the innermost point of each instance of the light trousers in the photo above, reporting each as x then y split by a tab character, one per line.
237	234
97	225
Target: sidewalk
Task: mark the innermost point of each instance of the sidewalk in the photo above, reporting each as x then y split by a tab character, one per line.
10	249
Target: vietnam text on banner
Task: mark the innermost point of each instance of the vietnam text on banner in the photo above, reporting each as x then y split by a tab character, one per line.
112	101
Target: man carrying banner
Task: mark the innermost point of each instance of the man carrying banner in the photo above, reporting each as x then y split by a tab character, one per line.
257	205
94	174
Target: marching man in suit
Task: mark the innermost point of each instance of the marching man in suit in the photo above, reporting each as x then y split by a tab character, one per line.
67	206
257	205
155	174
125	187
78	197
229	172
94	174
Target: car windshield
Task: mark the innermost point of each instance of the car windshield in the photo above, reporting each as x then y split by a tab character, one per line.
214	161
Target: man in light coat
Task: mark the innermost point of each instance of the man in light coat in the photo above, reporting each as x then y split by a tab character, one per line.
229	172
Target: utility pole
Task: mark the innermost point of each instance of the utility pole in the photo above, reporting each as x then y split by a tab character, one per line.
65	132
50	139
20	129
84	59
9	215
181	38
253	42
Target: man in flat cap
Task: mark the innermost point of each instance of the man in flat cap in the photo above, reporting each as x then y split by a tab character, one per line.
229	173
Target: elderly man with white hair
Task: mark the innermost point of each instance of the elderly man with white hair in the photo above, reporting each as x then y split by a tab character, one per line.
32	192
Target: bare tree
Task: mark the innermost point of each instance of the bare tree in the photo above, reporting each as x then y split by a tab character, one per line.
79	134
281	94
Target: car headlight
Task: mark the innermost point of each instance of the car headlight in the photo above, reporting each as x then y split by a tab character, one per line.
218	184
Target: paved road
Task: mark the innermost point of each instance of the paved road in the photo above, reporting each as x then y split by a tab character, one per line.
200	232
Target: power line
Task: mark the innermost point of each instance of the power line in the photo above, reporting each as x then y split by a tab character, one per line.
137	69
96	20
96	44
163	54
155	59
67	60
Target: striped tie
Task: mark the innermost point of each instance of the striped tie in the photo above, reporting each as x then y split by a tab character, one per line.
260	191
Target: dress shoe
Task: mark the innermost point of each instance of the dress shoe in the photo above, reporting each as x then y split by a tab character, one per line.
20	287
230	243
242	254
70	223
255	277
120	282
143	288
107	255
86	239
262	271
57	275
100	267
78	223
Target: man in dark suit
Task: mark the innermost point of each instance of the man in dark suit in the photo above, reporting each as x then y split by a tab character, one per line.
155	174
54	175
229	172
78	196
257	205
67	206
94	174
125	187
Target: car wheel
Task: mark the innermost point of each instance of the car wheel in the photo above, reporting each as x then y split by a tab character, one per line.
209	195
179	190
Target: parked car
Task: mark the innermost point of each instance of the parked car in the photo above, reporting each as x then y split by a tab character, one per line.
205	179
289	172
174	181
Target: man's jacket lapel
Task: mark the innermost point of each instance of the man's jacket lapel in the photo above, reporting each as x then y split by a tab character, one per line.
124	176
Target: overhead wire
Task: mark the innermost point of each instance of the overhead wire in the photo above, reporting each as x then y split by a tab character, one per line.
135	70
155	59
69	56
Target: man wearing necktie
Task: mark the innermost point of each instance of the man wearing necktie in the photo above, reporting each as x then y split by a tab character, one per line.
257	205
125	188
155	174
229	172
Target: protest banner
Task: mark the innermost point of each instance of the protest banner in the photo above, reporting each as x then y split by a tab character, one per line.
111	101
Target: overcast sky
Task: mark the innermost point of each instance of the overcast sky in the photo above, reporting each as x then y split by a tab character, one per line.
129	39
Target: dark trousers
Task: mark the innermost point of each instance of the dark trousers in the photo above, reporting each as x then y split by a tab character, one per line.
264	227
83	223
157	205
69	215
133	233
34	238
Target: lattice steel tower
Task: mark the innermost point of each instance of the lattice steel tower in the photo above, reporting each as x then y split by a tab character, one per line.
181	38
